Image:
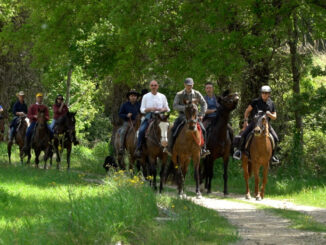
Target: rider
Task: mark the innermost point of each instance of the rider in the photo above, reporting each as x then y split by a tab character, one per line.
128	113
212	105
178	104
151	102
19	110
32	115
59	110
262	103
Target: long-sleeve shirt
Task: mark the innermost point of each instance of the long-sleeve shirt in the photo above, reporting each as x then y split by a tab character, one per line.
128	107
57	113
33	110
19	107
150	100
179	105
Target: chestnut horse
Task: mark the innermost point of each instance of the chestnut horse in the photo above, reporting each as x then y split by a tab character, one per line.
19	139
219	141
156	141
130	143
41	138
187	146
260	153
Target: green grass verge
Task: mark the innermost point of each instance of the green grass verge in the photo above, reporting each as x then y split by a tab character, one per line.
60	207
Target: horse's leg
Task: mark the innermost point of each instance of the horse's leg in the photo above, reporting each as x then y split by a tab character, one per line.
256	173
68	154
209	172
152	166
58	157
265	172
225	174
196	161
163	171
245	167
9	151
37	154
184	168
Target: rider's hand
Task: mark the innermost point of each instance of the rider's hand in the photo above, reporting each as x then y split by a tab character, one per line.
245	124
268	113
129	115
200	118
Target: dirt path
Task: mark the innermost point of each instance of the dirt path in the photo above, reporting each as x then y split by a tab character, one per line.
257	226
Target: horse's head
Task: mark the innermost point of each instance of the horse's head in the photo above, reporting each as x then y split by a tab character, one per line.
191	111
261	124
228	100
41	120
161	128
70	123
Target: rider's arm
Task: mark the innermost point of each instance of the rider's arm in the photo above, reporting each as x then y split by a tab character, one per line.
165	104
177	105
123	113
271	115
203	105
246	115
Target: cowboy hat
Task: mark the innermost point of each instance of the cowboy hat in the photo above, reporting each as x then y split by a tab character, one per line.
20	93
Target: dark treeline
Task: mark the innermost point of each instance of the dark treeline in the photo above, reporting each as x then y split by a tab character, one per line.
95	51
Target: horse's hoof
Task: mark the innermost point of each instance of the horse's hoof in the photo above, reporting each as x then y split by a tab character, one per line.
199	196
258	198
248	197
226	194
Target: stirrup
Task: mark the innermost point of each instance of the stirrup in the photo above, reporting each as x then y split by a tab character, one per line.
275	159
204	153
237	155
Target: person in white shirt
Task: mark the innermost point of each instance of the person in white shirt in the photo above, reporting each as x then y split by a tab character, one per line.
152	102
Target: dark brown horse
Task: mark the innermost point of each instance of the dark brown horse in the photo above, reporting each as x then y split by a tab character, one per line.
64	133
218	140
260	152
130	143
41	138
187	146
19	139
156	141
2	128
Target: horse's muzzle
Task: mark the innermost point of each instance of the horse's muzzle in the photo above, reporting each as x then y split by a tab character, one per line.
164	143
257	131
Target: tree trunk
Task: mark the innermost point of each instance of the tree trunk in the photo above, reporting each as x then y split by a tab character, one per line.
68	86
295	60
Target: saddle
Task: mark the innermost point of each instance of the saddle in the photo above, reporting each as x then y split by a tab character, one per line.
250	137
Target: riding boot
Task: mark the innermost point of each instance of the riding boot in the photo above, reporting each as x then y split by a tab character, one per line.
238	154
204	152
138	152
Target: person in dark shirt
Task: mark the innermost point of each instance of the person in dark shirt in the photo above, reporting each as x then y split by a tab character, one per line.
128	113
212	105
59	109
265	104
19	110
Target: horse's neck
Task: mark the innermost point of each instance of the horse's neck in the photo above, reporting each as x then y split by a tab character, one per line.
222	122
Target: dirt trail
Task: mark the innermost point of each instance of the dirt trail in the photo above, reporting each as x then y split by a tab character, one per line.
257	226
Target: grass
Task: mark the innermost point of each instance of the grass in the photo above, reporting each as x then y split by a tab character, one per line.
283	183
60	207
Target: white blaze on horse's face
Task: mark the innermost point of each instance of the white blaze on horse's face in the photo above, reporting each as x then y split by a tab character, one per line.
164	127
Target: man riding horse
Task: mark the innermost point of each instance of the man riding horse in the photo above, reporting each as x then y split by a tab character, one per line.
32	115
152	102
60	109
19	110
182	97
128	113
212	105
262	103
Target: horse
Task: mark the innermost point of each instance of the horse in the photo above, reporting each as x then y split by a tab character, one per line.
156	142
187	145
219	141
260	153
64	132
41	138
20	133
130	143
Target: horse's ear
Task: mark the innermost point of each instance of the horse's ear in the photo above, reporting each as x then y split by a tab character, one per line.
226	92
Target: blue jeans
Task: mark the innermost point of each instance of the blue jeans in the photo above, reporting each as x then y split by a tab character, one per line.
52	125
141	132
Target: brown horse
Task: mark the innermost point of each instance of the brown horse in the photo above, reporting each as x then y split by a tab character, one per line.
19	139
41	138
156	141
260	153
130	143
64	133
219	140
187	146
